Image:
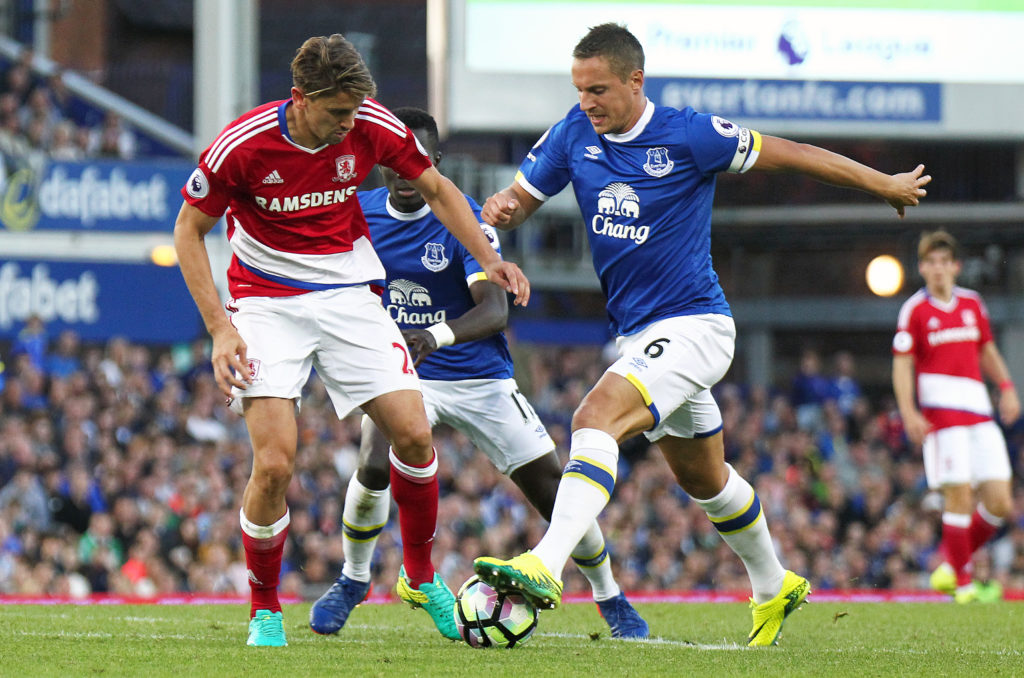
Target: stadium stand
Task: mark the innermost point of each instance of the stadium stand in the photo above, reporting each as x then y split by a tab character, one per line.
121	472
41	114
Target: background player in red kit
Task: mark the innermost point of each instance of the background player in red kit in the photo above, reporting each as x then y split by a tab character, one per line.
945	341
301	277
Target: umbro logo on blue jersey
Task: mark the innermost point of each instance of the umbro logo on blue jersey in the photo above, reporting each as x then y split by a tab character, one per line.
592	152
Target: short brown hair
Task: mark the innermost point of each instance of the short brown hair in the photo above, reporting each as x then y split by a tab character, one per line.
330	64
615	43
937	240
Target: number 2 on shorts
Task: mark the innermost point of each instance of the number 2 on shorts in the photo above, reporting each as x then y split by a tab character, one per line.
406	367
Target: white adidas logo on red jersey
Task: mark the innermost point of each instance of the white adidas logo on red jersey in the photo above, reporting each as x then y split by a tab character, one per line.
273	178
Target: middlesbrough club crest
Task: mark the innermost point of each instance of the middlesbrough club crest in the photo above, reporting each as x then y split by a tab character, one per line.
346	167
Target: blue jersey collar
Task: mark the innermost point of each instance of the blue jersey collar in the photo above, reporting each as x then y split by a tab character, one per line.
406	216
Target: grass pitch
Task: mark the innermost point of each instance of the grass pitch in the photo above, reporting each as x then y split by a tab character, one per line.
821	639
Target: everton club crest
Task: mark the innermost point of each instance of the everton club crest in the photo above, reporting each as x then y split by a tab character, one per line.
346	168
658	163
434	258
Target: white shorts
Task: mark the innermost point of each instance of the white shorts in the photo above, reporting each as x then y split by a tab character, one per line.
346	334
493	414
674	363
965	455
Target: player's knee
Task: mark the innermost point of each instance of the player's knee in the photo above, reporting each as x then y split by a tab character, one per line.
616	412
413	443
591	413
272	474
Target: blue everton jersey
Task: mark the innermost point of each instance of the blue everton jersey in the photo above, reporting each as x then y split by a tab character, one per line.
428	276
645	196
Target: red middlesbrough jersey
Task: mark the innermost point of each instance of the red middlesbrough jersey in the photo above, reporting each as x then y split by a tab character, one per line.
945	340
293	218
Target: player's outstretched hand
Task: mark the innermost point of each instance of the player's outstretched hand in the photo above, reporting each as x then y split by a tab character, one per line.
499	209
230	365
509	277
421	344
907	189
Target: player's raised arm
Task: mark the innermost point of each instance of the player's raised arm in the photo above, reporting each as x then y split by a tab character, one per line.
509	207
450	206
901	190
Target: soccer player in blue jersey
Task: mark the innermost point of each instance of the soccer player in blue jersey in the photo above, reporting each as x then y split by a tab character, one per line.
644	177
452	319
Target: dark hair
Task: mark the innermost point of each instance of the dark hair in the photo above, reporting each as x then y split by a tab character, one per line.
615	43
416	118
328	65
937	240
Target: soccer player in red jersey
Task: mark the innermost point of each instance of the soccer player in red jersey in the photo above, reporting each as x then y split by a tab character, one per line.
942	350
302	279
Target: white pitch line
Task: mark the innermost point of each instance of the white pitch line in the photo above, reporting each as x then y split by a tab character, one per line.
915	651
665	642
102	634
23	612
301	639
648	641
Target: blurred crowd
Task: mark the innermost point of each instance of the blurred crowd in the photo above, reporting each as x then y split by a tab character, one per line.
121	470
40	115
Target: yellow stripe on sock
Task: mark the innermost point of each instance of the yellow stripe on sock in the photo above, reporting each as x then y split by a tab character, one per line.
722	519
603	549
747	526
596	484
361	529
609	471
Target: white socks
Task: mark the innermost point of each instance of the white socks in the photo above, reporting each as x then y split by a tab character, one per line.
365	515
591	556
736	514
586	486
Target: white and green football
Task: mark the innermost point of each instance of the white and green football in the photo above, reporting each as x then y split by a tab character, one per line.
487	618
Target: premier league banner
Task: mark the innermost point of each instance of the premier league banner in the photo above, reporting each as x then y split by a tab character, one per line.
844	68
141	302
100	195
